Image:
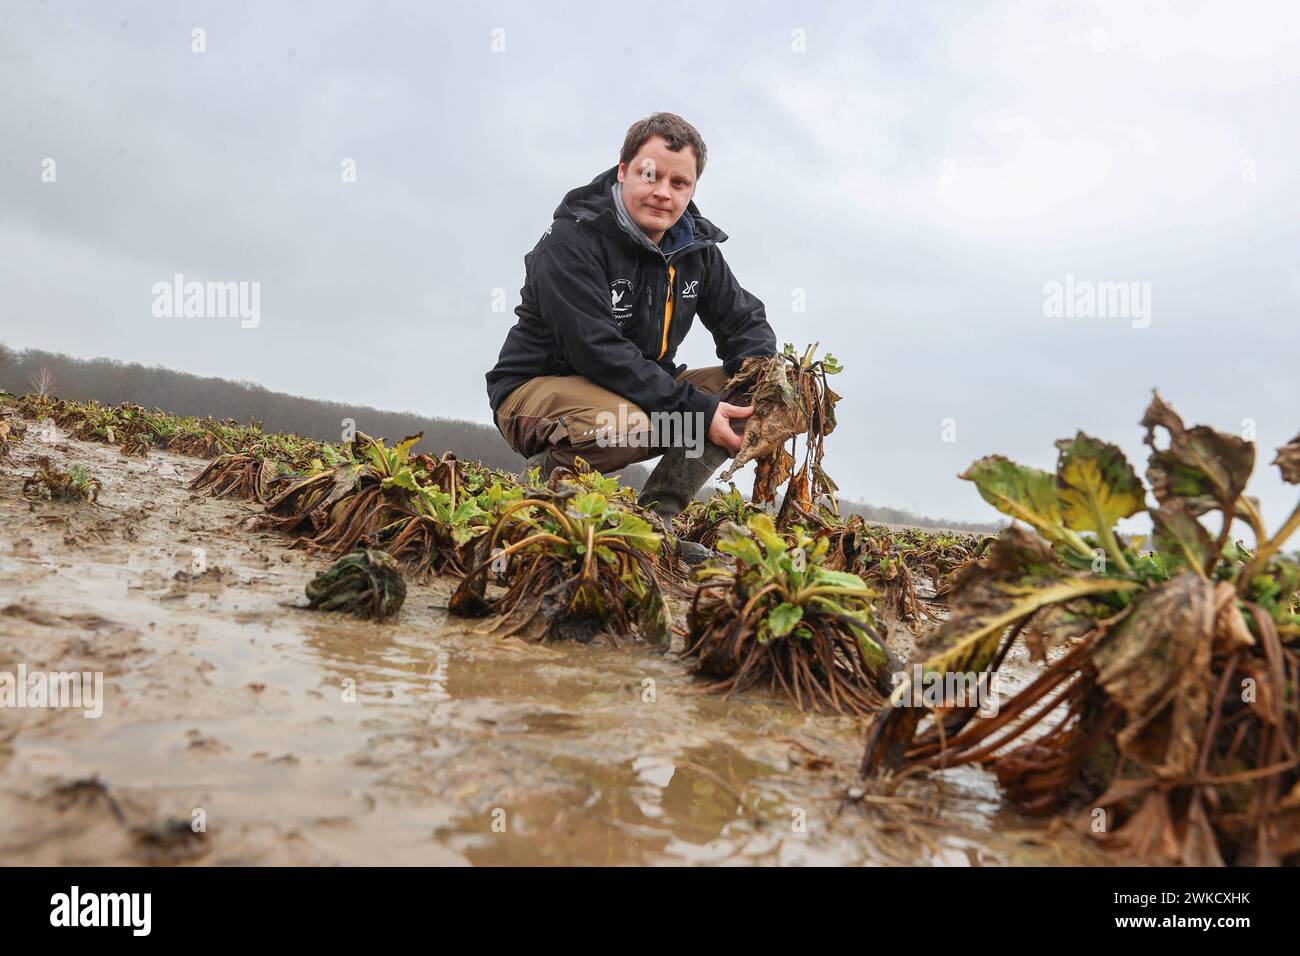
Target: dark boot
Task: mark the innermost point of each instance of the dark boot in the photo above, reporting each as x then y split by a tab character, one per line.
673	484
543	460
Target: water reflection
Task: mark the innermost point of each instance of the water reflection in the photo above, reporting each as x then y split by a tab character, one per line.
381	660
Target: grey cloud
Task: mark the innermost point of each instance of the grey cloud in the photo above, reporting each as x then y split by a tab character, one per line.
826	168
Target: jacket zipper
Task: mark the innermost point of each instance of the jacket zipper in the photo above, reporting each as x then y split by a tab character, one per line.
666	321
668	313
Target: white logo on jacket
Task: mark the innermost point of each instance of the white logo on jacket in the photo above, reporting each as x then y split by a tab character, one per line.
688	290
620	300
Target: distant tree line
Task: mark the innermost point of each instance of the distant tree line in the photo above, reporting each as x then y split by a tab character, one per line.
878	514
111	382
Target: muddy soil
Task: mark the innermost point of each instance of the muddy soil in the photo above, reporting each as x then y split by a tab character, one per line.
239	730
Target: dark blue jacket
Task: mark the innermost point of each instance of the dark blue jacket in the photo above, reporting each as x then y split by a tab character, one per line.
596	299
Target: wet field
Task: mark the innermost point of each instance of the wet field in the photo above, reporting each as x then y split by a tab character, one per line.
295	737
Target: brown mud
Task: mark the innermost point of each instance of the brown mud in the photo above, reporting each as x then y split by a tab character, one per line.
302	738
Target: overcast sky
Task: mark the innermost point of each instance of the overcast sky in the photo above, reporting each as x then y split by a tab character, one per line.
920	170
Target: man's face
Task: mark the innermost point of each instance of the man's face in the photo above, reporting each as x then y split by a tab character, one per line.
657	185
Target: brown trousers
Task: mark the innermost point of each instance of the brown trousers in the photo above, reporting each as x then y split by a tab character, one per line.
577	417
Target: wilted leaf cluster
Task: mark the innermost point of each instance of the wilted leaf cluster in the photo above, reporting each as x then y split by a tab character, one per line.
791	400
892	561
1174	705
53	484
12	431
365	583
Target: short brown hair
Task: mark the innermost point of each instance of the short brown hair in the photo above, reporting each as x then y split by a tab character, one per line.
671	127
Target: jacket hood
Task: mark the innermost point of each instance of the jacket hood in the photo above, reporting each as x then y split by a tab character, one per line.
600	205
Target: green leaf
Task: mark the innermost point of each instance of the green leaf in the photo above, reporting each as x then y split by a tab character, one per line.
783	618
636	531
402	479
839	579
590	504
1095	484
1028	494
467	510
1180	538
765	531
734	541
402	450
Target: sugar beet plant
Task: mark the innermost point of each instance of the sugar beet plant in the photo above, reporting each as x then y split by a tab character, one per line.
673	572
12	431
452	503
791	400
1168	696
256	470
246	475
575	561
891	561
784	621
701	521
587	479
53	484
421	511
136	430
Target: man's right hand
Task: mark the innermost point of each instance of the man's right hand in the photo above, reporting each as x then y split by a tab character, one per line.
722	432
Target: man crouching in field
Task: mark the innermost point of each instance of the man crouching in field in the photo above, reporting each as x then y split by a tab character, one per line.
610	292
